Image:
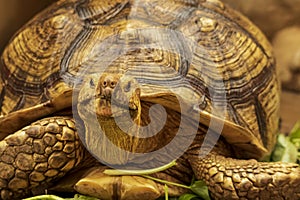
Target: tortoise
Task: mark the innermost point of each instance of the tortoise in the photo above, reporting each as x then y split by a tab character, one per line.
91	85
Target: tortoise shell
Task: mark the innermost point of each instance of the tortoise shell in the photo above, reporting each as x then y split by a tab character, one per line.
221	56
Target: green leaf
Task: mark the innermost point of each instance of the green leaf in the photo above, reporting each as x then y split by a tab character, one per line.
295	132
284	150
295	135
45	197
166	188
201	189
189	197
115	172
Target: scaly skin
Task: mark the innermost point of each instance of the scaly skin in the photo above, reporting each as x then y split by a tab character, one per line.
231	178
34	157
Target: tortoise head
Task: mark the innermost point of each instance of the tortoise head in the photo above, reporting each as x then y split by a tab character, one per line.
109	109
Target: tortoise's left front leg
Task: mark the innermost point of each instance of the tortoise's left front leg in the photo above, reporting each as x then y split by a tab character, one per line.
229	178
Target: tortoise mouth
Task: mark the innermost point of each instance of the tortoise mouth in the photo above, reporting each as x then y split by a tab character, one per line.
107	107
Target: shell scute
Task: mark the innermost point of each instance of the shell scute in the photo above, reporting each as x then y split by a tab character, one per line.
200	49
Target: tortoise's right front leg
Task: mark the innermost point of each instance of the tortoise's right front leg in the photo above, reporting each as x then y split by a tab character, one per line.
33	157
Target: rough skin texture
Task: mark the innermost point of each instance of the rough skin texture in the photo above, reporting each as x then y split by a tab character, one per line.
229	178
37	155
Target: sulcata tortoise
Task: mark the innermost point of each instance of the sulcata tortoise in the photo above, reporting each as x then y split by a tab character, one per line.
92	85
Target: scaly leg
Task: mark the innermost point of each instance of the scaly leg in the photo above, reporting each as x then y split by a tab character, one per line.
229	178
37	155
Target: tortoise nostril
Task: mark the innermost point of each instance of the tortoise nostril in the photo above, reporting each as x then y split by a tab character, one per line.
109	82
104	83
112	84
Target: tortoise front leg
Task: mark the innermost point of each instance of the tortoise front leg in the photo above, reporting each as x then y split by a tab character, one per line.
229	178
37	155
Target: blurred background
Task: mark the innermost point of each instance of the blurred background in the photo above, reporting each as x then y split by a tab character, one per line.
14	14
278	19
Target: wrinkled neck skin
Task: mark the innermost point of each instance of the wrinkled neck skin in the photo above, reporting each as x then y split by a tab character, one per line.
120	123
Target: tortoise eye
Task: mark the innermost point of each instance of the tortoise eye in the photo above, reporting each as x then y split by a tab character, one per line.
92	84
127	86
